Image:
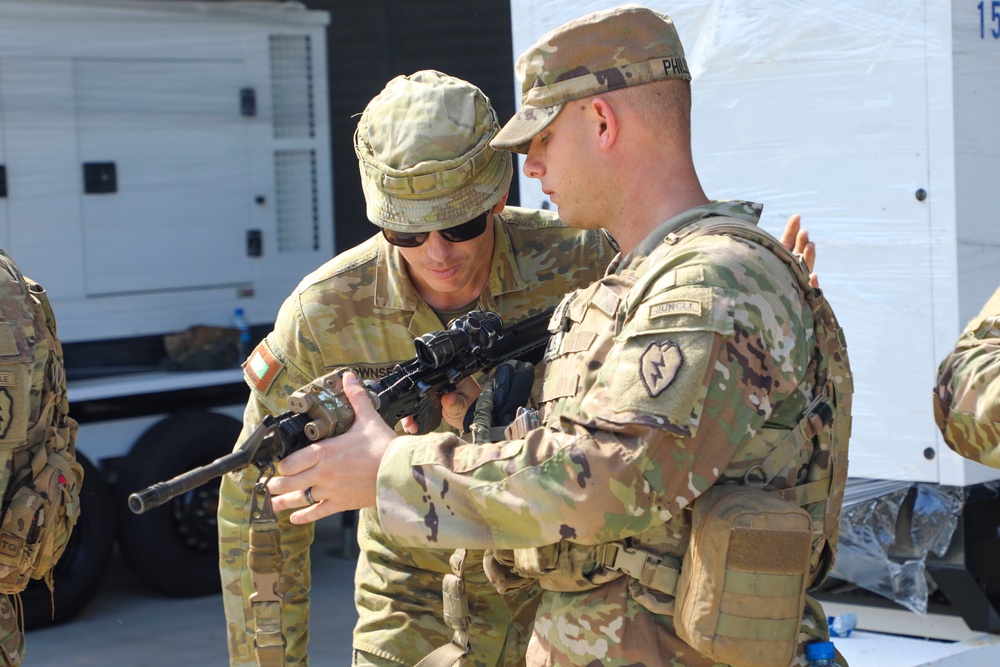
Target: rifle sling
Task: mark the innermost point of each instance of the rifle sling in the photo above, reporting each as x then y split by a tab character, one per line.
265	560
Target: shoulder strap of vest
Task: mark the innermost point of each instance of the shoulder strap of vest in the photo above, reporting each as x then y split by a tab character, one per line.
55	407
720	225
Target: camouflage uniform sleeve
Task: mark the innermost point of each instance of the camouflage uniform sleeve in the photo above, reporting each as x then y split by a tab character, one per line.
289	361
629	454
433	491
967	395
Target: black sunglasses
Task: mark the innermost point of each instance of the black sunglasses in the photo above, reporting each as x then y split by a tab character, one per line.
463	232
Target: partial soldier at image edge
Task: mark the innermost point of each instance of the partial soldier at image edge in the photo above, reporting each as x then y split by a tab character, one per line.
39	475
967	394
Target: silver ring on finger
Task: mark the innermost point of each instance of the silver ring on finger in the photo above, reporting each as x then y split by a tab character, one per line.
309	496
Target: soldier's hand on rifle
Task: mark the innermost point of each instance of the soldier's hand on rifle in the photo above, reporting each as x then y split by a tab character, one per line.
336	474
454	405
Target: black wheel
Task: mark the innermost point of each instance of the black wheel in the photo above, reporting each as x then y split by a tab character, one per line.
80	570
174	549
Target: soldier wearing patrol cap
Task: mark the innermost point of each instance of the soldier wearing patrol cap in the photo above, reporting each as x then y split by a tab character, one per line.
447	245
701	372
967	395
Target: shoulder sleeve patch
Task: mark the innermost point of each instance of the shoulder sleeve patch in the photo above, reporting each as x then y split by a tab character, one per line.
658	366
261	368
664	356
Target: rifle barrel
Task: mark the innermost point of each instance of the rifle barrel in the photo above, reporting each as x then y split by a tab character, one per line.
162	492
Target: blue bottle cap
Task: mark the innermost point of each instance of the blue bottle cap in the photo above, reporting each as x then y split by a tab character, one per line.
819	651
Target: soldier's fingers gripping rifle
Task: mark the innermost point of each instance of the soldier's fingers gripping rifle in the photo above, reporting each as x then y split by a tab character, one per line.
475	342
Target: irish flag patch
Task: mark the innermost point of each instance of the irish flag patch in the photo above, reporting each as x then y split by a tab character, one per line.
261	368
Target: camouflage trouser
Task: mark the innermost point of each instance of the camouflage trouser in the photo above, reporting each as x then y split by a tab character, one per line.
399	603
237	586
11	637
400	608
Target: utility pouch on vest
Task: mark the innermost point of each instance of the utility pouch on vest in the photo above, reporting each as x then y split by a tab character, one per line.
564	566
742	588
456	616
41	512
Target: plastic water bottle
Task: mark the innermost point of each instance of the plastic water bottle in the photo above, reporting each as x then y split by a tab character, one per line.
820	653
240	322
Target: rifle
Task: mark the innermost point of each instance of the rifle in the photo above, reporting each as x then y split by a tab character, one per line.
477	341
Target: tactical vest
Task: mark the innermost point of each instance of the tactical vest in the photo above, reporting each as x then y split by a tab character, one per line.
805	465
39	476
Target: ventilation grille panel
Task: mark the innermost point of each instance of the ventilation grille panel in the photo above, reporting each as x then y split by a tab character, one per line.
291	87
297	200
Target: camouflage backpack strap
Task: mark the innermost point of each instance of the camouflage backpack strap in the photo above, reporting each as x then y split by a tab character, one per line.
456	616
826	422
56	406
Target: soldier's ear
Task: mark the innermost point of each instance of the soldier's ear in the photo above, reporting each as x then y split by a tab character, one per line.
500	204
607	122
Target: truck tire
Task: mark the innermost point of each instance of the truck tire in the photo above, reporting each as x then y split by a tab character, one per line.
174	549
80	571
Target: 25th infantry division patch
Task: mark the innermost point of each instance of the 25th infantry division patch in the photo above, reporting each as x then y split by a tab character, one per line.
658	366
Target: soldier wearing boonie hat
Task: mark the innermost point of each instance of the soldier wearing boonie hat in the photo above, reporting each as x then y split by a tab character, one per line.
603	51
423	150
427	170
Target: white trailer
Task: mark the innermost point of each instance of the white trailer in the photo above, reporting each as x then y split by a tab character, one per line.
878	122
161	164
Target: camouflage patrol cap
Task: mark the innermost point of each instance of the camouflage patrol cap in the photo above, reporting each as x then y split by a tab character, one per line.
602	51
424	154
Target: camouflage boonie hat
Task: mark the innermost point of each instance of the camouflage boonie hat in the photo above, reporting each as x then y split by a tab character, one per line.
424	154
606	50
